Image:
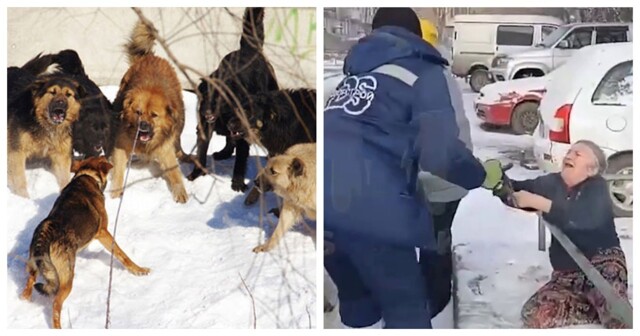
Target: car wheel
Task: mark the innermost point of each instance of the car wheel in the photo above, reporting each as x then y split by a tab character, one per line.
479	78
621	191
525	118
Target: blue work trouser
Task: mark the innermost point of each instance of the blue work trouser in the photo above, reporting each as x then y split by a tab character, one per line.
377	281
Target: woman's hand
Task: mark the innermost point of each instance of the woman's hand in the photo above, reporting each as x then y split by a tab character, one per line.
525	199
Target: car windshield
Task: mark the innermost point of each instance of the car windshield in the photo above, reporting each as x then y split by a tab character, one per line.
552	38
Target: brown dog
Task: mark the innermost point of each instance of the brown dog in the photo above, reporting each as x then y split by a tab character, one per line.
39	126
150	101
293	177
78	216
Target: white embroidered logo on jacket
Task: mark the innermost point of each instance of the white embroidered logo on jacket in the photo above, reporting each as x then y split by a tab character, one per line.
354	95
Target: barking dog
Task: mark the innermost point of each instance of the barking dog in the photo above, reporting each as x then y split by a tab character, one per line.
93	132
150	98
78	216
41	112
293	177
277	120
241	73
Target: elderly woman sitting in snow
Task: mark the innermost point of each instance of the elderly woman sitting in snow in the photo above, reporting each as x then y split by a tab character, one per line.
577	201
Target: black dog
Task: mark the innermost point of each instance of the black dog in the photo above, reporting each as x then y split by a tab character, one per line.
20	79
93	133
277	120
241	73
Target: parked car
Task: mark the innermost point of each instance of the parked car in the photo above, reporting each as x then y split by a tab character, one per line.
557	48
478	38
591	97
512	103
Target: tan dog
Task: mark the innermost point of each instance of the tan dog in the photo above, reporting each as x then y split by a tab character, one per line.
293	177
150	98
39	126
77	218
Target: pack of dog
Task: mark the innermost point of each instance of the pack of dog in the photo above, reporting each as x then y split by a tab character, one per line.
56	110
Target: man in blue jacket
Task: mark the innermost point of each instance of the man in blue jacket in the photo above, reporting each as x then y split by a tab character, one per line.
390	118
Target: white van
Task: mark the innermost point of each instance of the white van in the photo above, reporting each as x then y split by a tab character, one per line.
478	38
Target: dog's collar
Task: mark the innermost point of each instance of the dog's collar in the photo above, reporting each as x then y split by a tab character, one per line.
96	177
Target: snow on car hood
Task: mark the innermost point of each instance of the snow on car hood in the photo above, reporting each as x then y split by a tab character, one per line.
493	92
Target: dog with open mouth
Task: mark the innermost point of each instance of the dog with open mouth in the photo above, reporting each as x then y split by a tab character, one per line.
151	108
41	111
93	133
240	74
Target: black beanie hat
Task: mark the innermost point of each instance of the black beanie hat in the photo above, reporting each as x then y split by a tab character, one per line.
399	17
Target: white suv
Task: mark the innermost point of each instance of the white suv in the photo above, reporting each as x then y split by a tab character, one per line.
590	97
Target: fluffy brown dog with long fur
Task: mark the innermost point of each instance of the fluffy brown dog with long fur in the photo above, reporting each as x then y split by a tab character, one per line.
293	177
150	98
78	217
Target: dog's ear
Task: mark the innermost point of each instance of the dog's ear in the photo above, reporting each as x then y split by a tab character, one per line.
75	166
296	168
104	166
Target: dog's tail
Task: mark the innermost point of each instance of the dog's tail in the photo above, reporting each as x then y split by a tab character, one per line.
69	62
253	28
40	259
141	41
38	64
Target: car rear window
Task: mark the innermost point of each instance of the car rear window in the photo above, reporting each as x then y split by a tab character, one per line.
616	87
514	35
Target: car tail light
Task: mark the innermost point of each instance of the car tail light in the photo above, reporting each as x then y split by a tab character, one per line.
561	119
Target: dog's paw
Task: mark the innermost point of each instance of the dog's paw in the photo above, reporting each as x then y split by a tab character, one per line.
218	156
197	172
116	193
22	193
275	212
26	295
180	194
238	185
139	271
262	248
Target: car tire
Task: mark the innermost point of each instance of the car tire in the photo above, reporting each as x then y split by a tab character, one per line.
621	192
479	78
525	118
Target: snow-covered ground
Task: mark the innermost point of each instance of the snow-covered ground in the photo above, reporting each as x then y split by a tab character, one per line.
198	253
498	264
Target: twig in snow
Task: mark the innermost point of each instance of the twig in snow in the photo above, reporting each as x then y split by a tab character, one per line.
253	302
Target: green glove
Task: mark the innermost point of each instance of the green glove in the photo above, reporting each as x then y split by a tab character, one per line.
494	172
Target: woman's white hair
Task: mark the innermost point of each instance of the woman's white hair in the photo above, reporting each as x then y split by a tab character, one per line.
600	162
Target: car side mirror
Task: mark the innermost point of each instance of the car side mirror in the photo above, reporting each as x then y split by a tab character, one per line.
564	44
